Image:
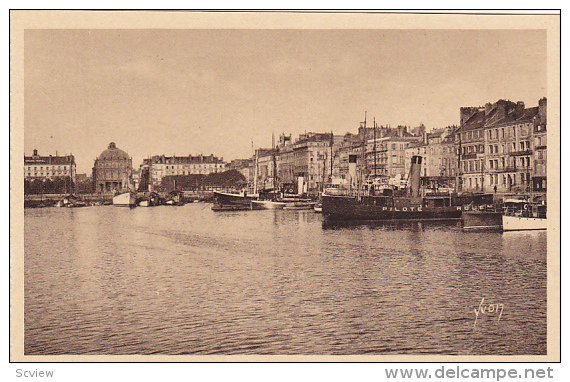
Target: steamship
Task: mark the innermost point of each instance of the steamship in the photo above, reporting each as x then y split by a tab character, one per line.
394	205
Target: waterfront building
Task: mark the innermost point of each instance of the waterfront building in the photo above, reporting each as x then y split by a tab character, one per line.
349	145
160	166
498	147
265	174
112	170
44	174
386	155
306	162
440	158
471	141
286	164
49	166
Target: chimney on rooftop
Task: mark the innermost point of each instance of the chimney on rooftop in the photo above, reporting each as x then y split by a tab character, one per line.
35	152
519	108
542	110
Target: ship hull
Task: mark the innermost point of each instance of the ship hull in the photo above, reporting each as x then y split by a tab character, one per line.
228	199
519	223
266	205
125	200
481	220
348	208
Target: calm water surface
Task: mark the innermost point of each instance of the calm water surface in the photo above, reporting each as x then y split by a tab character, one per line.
186	280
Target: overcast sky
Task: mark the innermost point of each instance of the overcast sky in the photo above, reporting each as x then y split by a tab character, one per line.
213	91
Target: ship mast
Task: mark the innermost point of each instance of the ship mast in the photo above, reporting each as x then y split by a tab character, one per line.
364	164
274	161
374	149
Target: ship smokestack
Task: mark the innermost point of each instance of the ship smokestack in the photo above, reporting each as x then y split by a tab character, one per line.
414	179
352	171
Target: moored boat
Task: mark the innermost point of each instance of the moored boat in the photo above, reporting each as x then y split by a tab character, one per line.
126	199
231	200
70	201
524	216
175	198
318	208
392	205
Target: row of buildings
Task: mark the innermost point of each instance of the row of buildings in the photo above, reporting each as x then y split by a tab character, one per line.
113	170
499	147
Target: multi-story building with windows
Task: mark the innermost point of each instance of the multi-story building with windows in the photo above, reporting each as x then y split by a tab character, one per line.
50	166
305	163
440	158
112	170
497	144
347	146
265	173
160	166
389	148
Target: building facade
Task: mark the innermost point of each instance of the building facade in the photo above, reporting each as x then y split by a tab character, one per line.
440	158
386	155
160	166
266	171
48	167
305	163
503	147
112	170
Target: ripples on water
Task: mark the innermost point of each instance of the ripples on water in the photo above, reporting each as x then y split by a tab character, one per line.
186	280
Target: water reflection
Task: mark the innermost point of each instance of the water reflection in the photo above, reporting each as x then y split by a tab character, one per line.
186	280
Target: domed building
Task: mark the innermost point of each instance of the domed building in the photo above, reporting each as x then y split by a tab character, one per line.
113	170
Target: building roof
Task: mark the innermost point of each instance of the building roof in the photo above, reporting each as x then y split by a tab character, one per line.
476	121
113	153
528	114
189	159
49	159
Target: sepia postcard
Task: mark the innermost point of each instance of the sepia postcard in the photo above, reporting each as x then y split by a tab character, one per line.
284	186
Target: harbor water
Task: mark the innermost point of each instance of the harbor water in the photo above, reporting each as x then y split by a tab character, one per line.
187	280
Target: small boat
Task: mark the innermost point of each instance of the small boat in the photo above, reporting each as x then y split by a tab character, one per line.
524	216
175	198
126	199
149	199
267	205
70	201
318	208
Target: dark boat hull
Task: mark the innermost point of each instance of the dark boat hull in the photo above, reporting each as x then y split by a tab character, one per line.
227	199
349	208
476	220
